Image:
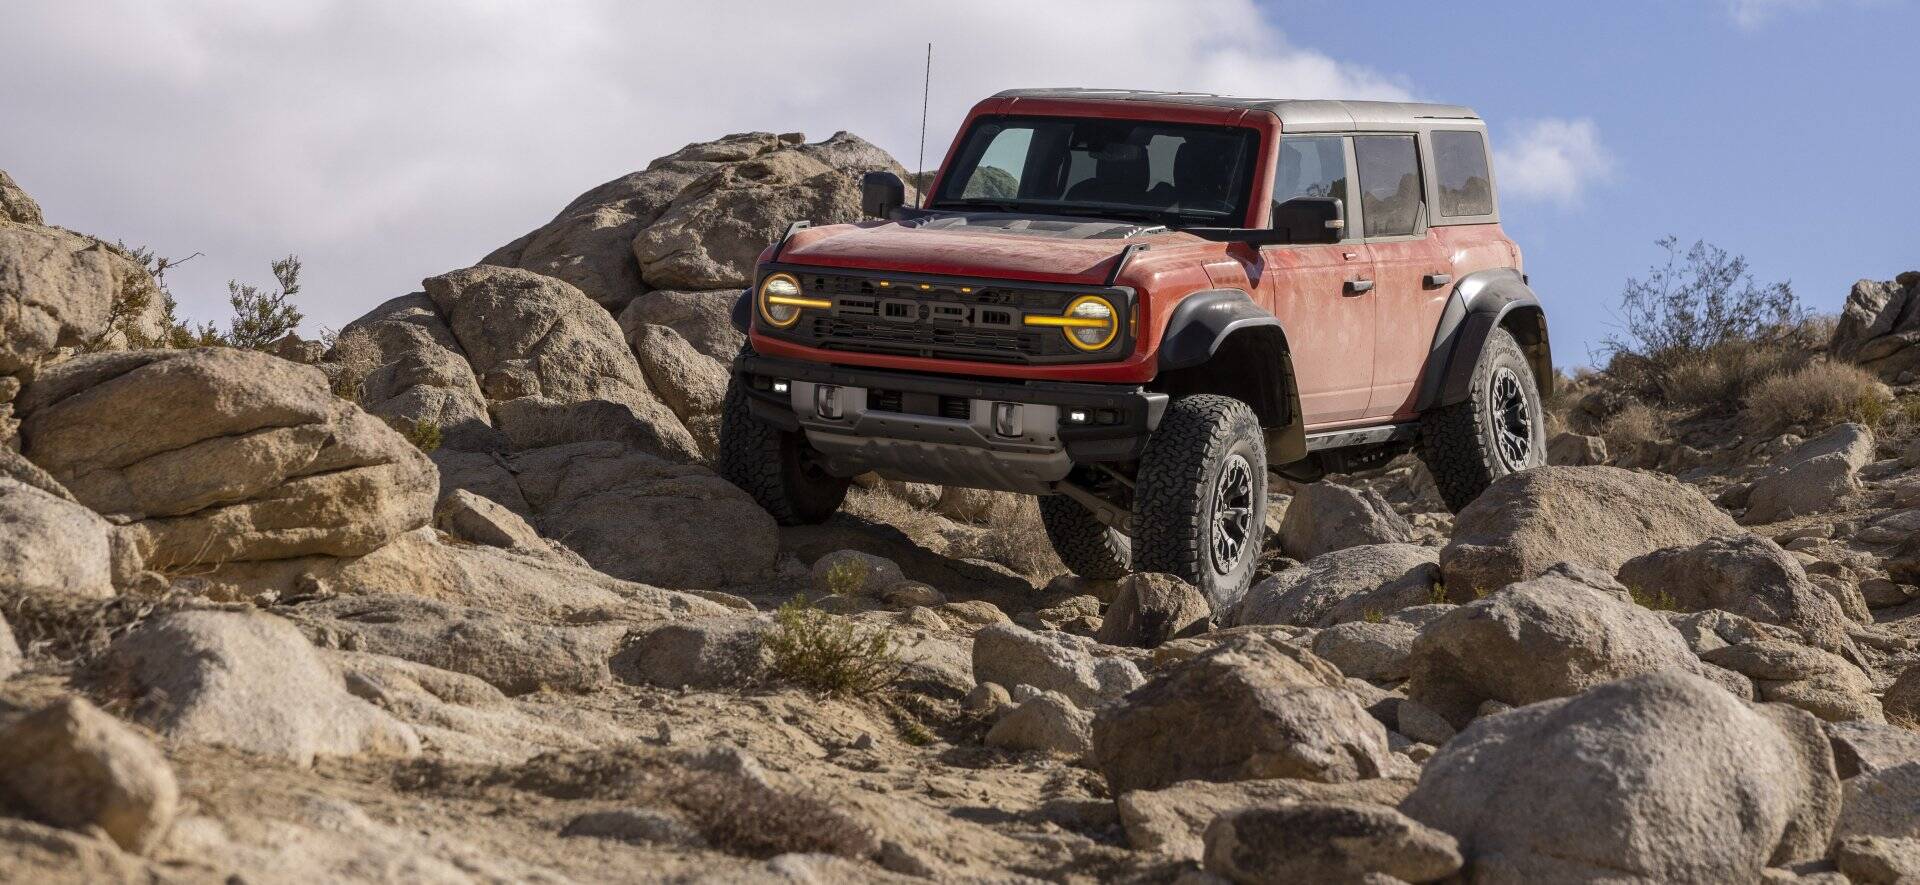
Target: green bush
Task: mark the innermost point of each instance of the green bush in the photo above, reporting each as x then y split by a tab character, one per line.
829	654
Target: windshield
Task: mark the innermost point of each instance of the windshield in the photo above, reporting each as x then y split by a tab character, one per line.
1169	173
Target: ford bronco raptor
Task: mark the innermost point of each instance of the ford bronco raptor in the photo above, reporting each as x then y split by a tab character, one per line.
1135	305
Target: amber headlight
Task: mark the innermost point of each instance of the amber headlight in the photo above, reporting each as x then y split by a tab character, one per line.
781	302
1090	322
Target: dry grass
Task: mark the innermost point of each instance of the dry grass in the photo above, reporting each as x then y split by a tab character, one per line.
1018	542
1635	425
748	818
1818	396
829	654
357	356
1726	374
76	629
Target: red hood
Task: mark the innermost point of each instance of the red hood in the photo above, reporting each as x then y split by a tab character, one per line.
967	253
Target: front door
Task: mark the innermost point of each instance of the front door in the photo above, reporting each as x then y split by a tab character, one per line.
1322	294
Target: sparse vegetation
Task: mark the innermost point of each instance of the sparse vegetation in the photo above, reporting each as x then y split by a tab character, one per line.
848	576
1694	313
1659	600
746	817
829	654
1818	396
356	356
263	316
425	436
1636	424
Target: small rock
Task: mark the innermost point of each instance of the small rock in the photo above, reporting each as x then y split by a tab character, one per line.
1012	656
11	660
638	826
1327	842
1576	450
1902	698
1376	652
696	653
1049	722
908	594
75	766
1350	584
1151	609
852	573
1173	820
1867	747
1246	709
1819	682
1881	803
988	700
1878	860
469	517
1419	722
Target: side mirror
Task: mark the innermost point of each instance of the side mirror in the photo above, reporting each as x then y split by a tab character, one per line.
1310	219
881	193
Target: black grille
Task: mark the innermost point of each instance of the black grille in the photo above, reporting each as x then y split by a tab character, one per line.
958	408
980	322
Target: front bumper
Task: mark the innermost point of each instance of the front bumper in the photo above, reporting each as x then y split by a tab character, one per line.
1013	436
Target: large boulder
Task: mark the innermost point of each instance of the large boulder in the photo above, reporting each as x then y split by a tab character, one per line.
515	655
1350	584
1813	680
76	767
1877	325
1592	516
542	350
1327	842
15	204
1817	475
58	290
50	545
645	518
1550	637
1663	777
1325	516
1047	722
218	454
410	368
691	383
711	235
248	681
1246	709
595	243
1743	574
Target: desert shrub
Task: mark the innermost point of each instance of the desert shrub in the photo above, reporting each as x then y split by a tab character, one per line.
1657	600
263	316
1725	373
1695	303
356	356
829	654
1635	425
425	436
1017	541
848	576
746	817
1818	396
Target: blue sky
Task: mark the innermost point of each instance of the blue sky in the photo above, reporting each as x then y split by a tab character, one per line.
1792	137
386	142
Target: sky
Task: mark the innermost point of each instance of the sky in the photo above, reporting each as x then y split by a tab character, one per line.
386	142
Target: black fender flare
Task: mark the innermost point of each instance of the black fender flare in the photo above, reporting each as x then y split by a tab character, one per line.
1481	302
1206	323
742	317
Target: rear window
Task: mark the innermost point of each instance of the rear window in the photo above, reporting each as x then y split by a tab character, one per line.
1460	162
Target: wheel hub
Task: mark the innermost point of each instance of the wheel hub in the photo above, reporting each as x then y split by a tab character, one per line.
1512	419
1232	513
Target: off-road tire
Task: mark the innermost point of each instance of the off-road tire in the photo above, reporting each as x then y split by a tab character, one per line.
1462	444
1085	545
774	466
1178	489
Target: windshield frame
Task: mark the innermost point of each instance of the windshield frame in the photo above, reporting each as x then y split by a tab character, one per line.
965	158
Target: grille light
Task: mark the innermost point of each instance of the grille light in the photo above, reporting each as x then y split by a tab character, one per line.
1090	322
781	301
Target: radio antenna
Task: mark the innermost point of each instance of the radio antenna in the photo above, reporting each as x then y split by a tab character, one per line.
920	173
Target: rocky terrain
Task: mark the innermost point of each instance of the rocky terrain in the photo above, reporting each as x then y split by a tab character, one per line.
453	597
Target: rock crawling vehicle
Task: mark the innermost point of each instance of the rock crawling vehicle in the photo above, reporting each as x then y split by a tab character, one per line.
1135	305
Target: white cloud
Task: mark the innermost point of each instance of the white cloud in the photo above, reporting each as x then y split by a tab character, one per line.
1552	160
1751	14
385	142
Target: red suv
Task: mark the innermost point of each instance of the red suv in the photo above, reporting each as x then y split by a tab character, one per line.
1135	305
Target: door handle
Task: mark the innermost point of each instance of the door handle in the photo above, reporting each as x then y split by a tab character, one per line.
1356	287
1436	280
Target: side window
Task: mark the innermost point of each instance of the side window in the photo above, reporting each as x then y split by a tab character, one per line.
1460	162
1391	197
1311	166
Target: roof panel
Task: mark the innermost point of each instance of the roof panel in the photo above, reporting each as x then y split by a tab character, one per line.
1314	112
